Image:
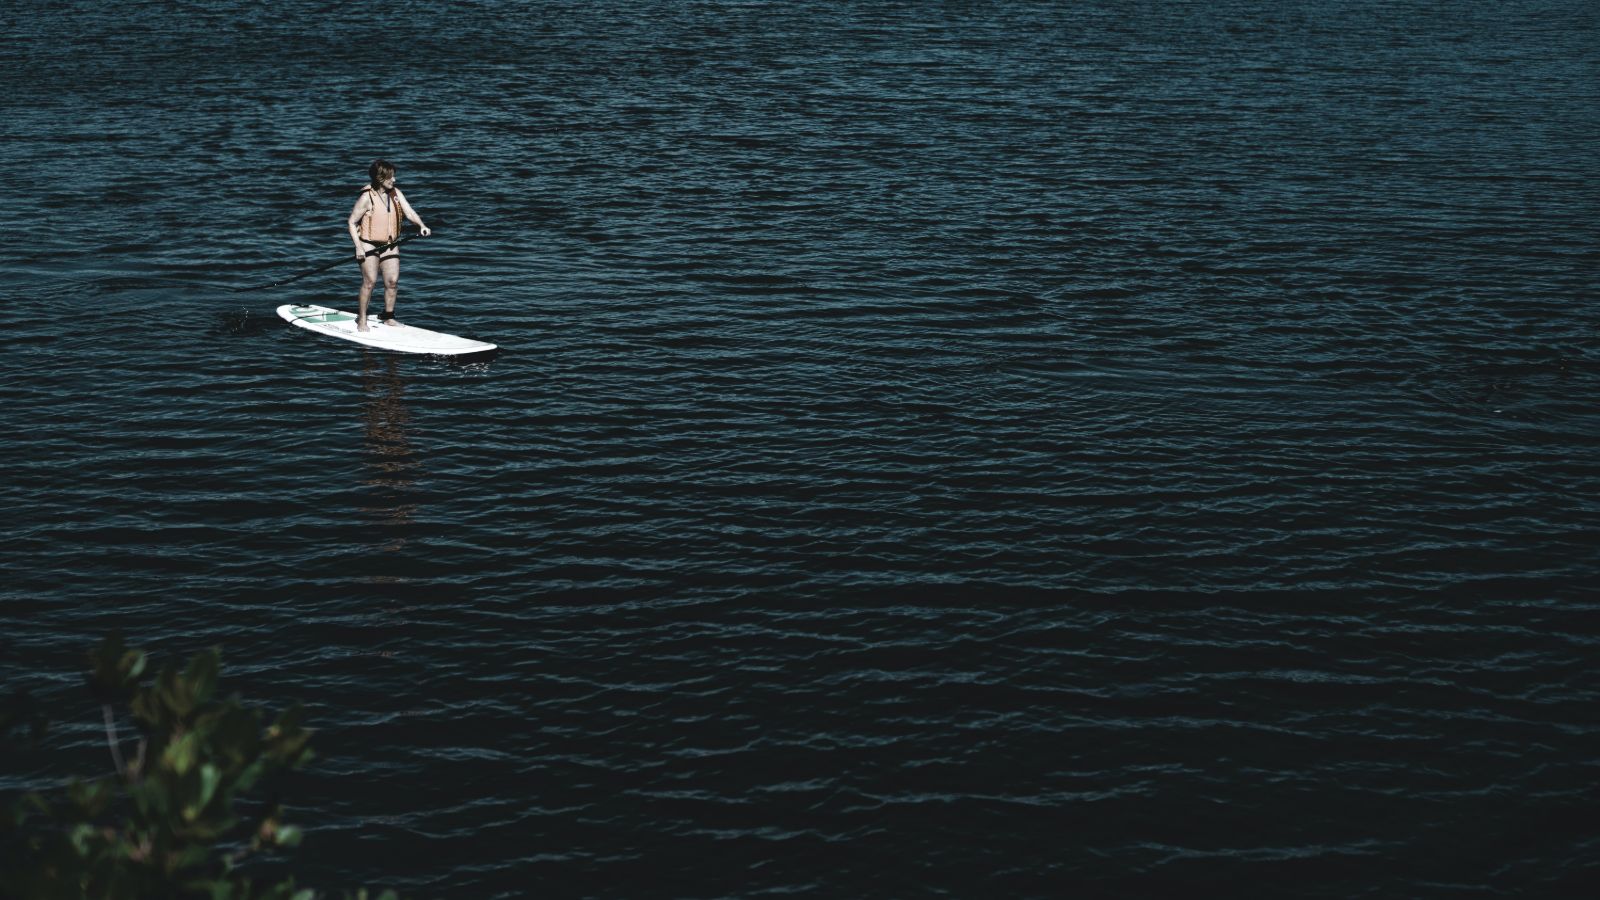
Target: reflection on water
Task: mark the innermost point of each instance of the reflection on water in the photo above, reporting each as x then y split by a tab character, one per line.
390	464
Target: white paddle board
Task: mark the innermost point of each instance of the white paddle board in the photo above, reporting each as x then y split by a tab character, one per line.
399	338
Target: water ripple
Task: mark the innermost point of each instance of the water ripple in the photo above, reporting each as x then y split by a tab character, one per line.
968	449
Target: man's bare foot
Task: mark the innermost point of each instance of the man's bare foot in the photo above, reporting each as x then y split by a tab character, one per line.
361	324
392	322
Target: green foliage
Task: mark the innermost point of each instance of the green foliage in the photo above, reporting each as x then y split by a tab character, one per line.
166	823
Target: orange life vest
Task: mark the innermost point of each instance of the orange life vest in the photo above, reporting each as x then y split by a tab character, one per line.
382	221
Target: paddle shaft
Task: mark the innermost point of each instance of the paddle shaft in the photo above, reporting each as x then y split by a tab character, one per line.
373	252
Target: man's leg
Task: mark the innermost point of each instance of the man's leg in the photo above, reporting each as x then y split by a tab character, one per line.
391	286
369	277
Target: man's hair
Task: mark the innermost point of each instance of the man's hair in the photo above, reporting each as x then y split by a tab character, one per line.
379	170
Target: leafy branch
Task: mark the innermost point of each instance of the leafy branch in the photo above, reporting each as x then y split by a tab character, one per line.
165	824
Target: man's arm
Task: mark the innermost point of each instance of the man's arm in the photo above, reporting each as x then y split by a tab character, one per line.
357	212
411	214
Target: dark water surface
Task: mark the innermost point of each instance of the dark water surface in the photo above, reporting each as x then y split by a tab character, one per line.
1136	448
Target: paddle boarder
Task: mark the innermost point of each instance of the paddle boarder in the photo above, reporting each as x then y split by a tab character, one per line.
375	225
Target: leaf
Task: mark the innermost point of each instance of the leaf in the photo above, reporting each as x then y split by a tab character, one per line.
236	735
175	696
286	740
90	797
114	670
179	756
187	858
80	836
37	801
201	677
210	777
150	798
246	777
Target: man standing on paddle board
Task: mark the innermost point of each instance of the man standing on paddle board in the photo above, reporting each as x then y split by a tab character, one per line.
375	225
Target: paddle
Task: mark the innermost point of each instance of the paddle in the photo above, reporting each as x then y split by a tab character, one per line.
373	252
